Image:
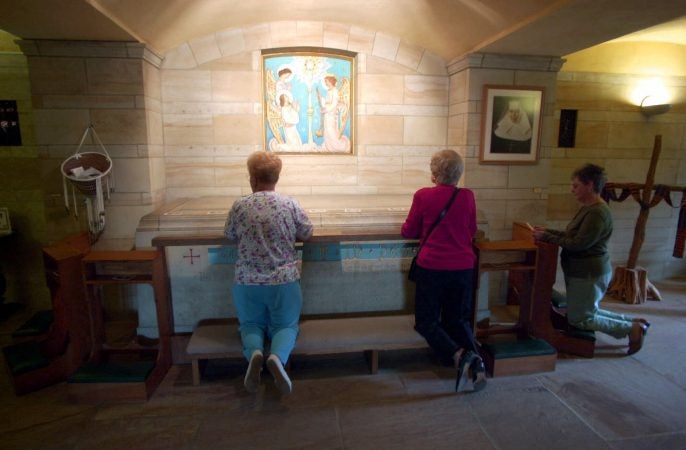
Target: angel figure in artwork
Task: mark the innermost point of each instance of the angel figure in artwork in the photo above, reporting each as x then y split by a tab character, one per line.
283	114
335	108
290	117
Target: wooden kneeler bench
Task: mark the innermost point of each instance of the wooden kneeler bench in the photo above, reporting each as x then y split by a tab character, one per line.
317	337
519	357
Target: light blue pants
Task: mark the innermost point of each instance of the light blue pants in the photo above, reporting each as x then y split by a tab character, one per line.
270	311
583	297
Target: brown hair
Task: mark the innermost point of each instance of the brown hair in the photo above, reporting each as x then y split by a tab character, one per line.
264	167
591	173
331	79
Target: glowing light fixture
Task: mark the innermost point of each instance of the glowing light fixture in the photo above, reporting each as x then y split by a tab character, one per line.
648	109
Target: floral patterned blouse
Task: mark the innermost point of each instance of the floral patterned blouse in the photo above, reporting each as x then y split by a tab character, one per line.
265	226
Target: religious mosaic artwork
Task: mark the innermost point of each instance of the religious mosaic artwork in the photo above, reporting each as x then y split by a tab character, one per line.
309	101
511	124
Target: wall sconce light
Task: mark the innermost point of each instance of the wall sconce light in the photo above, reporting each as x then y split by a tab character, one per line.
653	110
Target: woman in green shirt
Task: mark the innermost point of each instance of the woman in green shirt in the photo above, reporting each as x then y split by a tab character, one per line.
586	263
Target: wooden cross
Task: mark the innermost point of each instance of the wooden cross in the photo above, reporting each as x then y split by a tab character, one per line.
630	283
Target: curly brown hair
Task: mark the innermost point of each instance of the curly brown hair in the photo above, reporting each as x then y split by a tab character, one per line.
264	167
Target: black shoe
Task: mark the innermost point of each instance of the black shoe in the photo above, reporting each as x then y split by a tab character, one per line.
463	378
478	373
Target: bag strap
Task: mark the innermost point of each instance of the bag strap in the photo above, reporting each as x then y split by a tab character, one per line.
438	219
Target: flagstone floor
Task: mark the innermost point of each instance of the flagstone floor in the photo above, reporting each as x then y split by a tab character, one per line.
612	401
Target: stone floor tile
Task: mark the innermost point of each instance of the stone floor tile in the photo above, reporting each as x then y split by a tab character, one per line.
419	421
531	418
619	398
285	428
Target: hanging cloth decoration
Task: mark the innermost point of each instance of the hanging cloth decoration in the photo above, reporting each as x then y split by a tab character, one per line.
87	172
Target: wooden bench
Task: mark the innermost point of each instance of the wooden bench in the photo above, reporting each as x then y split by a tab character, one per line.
317	337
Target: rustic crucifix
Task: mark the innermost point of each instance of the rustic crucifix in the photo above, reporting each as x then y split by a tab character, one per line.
630	283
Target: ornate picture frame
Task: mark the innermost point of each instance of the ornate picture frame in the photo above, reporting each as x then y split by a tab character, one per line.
511	124
309	100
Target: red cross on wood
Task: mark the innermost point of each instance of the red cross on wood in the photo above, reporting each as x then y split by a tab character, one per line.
191	255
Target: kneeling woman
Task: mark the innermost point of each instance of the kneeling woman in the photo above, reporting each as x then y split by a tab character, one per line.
586	264
443	218
266	290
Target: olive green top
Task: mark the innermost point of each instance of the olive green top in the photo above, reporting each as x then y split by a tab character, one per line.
584	242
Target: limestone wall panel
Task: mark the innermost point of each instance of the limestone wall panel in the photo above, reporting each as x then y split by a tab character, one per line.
115	76
205	48
236	86
324	175
188	135
361	40
309	33
186	85
231	41
232	174
61	126
432	64
189	175
132	174
383	89
409	55
380	130
426	90
57	75
238	129
425	130
335	35
120	126
257	37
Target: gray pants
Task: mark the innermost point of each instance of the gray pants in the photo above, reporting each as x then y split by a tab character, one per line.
583	297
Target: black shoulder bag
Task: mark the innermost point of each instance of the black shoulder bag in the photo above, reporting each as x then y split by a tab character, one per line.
412	274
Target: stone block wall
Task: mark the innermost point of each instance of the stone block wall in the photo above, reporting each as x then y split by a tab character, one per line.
613	133
213	114
116	88
21	190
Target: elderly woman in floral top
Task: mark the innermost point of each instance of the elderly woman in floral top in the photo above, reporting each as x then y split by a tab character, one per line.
266	290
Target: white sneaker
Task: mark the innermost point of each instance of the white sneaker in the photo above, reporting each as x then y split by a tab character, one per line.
283	383
252	375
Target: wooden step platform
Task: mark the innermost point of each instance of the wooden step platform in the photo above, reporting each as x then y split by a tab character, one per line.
317	337
518	357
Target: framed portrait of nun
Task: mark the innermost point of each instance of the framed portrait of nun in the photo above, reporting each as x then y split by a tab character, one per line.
511	124
309	100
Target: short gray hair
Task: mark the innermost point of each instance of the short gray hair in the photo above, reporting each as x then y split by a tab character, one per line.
447	167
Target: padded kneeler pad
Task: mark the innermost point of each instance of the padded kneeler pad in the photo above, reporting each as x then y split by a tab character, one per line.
25	357
38	324
113	372
519	348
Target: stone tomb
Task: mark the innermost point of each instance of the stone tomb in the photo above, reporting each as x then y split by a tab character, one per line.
355	263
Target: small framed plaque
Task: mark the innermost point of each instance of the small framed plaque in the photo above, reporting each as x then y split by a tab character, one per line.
5	227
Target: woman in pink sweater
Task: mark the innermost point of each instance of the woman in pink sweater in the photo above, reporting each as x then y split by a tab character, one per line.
445	268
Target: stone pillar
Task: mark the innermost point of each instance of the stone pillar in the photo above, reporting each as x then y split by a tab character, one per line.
115	86
505	193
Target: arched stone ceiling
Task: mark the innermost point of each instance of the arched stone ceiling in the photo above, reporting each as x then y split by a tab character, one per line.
448	28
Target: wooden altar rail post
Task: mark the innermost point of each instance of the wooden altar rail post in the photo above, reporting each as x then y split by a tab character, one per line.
630	283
